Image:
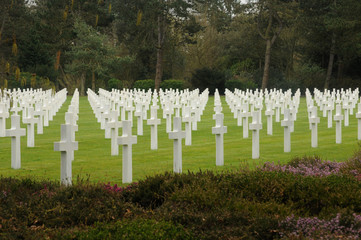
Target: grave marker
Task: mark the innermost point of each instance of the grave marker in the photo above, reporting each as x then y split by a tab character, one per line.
15	132
127	140
154	122
314	121
287	124
30	122
4	114
255	126
177	135
66	146
219	130
338	119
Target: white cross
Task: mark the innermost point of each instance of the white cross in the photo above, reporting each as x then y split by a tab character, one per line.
30	121
314	121
245	115
346	107
15	132
104	119
130	109
39	112
219	130
187	119
329	108
269	113
114	126
287	123
338	119
139	114
66	146
71	118
177	135
4	114
127	140
15	107
154	122
255	126
358	116
167	113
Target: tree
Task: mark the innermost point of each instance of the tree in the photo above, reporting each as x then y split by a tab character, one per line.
146	25
90	54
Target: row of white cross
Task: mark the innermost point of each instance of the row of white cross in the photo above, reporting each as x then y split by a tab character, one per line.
327	102
67	144
108	106
46	106
178	106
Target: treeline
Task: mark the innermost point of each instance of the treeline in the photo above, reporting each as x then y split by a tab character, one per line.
204	43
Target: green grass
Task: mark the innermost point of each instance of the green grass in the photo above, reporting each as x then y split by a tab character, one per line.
93	159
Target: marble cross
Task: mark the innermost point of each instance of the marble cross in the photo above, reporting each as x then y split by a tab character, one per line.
177	135
314	121
39	112
219	130
15	132
4	114
255	126
139	114
245	115
113	124
66	146
127	140
187	119
338	119
358	116
30	121
71	118
269	113
287	123
154	122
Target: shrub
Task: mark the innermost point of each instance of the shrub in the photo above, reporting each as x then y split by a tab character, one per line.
172	83
209	78
241	82
144	84
114	83
136	229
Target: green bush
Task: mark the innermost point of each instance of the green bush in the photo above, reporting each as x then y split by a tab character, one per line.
172	83
114	83
209	78
136	229
229	205
144	84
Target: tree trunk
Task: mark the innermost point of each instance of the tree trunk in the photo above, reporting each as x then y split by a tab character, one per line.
330	61
159	66
267	60
93	81
82	84
340	65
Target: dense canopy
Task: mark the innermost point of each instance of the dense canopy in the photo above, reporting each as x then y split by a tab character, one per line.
204	43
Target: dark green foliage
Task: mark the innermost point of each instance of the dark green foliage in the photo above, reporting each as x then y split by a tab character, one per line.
144	84
240	82
172	83
136	229
209	78
114	83
203	205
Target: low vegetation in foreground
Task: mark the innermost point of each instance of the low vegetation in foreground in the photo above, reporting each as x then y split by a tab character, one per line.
308	198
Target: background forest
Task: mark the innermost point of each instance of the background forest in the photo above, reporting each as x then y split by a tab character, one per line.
183	43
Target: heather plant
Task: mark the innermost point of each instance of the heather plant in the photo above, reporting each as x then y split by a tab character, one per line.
307	167
347	226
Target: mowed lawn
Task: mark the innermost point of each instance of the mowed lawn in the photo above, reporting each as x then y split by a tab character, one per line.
93	160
